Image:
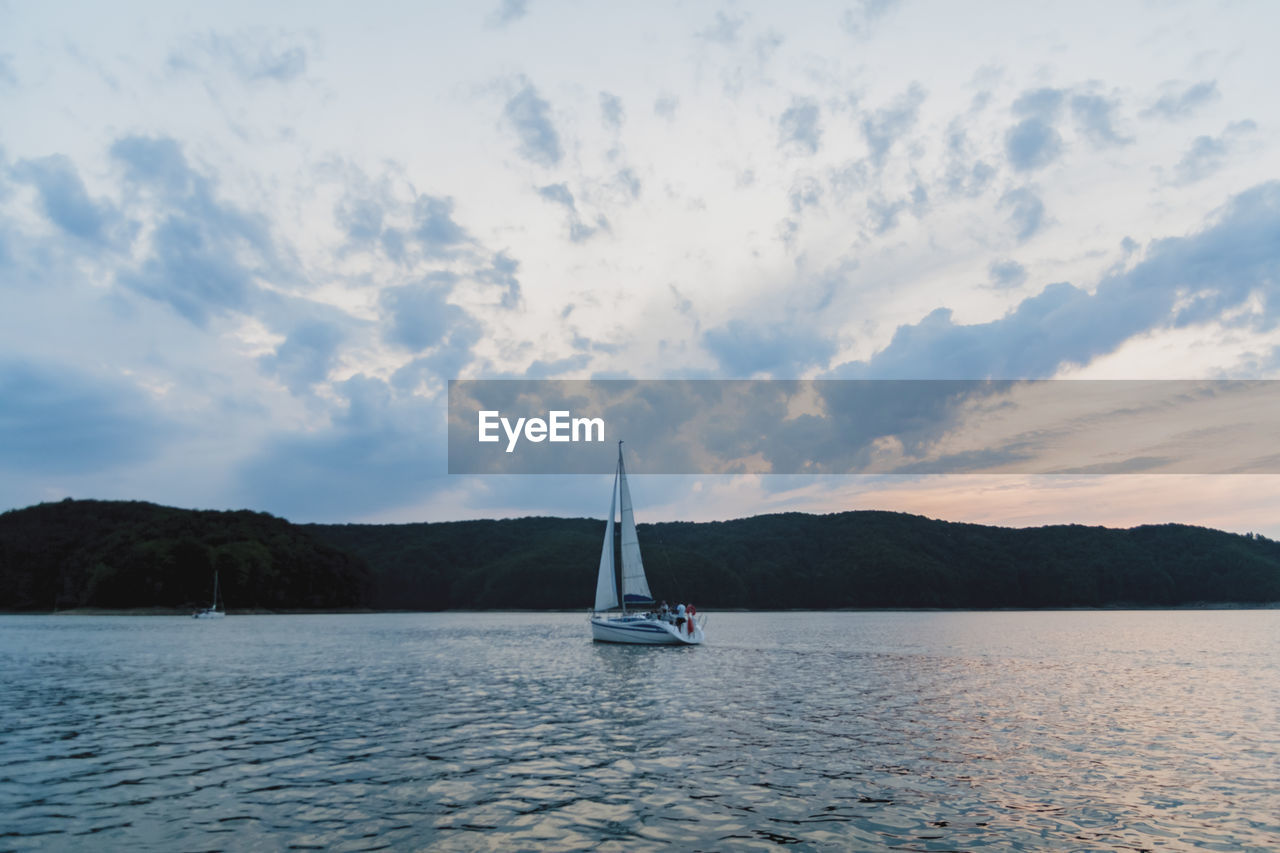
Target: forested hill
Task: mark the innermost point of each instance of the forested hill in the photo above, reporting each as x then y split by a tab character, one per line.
795	560
128	554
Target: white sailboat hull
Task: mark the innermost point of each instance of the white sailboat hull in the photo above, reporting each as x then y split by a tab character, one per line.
208	614
642	631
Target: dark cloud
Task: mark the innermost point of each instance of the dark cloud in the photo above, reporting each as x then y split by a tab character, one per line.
1005	273
383	449
434	227
306	356
420	314
61	421
611	111
1032	143
530	117
884	127
251	55
799	126
746	350
1181	281
1026	212
1181	104
204	255
66	202
156	163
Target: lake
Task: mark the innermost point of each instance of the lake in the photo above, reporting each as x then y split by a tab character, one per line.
1149	730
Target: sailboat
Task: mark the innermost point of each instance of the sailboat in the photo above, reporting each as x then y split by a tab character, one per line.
624	610
211	612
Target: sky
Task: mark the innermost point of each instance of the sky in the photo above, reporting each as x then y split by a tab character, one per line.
244	247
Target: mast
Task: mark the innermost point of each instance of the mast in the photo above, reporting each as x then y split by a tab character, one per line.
215	589
620	482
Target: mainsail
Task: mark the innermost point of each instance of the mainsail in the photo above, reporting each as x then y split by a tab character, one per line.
635	588
606	582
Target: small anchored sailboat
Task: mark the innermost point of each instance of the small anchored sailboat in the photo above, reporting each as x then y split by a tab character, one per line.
211	612
615	618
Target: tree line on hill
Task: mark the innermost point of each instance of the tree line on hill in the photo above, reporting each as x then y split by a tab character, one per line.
114	554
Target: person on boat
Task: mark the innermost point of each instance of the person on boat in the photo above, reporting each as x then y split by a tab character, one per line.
663	611
691	611
679	615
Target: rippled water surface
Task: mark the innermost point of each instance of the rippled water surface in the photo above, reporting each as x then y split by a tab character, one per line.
912	731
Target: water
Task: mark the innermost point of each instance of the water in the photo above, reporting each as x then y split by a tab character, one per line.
907	731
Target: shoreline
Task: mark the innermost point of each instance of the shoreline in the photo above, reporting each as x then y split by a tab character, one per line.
172	611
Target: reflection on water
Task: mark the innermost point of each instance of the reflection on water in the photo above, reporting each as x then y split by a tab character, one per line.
914	731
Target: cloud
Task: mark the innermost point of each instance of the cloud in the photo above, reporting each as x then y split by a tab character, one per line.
530	117
157	163
886	126
1043	103
1181	281
55	420
306	356
360	217
966	175
1034	142
434	227
1005	273
805	192
420	313
578	230
502	272
204	255
1207	154
383	449
251	55
723	31
665	106
7	74
611	111
66	202
859	19
1026	212
1096	115
745	350
508	12
799	126
1179	105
